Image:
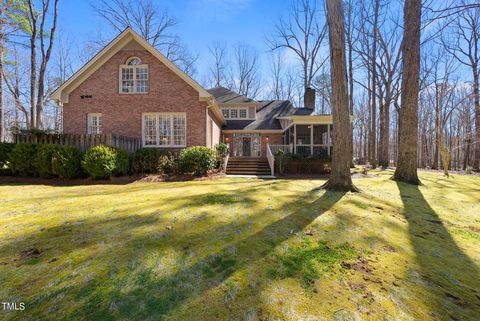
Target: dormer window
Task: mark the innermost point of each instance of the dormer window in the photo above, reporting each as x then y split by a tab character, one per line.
238	113
133	77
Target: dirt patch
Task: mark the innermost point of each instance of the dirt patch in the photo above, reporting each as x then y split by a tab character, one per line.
362	175
389	248
360	266
360	287
31	253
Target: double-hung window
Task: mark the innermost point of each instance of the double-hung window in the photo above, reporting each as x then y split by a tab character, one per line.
94	123
235	112
164	129
134	77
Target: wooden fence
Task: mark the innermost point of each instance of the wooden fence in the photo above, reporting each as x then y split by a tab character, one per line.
82	141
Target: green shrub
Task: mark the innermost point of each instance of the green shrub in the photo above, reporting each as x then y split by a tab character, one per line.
197	160
104	161
43	160
166	164
121	162
147	160
5	149
222	149
22	160
66	162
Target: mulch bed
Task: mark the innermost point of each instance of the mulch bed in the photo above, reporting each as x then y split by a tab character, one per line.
121	180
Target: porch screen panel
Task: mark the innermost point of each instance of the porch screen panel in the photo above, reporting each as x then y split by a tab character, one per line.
320	135
303	135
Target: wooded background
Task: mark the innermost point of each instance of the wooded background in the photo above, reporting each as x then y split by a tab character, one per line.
35	58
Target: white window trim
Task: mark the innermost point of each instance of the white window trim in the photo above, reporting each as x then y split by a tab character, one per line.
158	145
89	117
238	113
134	67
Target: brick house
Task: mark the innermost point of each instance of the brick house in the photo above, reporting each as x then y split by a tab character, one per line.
131	89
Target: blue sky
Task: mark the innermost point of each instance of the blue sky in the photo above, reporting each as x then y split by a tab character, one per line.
200	22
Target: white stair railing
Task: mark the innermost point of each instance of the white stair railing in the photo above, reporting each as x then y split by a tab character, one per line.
271	160
286	148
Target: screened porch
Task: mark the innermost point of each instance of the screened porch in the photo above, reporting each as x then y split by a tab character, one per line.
306	139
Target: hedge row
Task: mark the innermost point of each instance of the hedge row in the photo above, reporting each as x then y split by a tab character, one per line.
102	161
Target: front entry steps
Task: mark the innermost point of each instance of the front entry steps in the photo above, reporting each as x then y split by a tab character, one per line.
248	166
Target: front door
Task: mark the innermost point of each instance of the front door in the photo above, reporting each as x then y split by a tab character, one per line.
246	146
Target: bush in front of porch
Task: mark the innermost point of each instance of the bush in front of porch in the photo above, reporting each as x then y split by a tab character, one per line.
302	164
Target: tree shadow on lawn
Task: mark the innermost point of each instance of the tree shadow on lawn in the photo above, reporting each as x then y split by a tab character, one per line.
451	277
119	246
160	296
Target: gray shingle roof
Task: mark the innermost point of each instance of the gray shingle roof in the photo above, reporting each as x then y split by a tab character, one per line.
267	114
224	95
267	111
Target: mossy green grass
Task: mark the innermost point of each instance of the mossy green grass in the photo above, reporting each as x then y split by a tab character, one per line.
243	249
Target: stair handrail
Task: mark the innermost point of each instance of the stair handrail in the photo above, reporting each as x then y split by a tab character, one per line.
271	159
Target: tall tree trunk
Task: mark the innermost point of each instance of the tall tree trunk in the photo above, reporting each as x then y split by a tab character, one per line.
340	178
406	170
437	134
373	129
2	41
476	98
383	155
33	63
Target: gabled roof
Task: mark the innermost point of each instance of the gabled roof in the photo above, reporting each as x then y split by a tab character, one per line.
223	95
62	93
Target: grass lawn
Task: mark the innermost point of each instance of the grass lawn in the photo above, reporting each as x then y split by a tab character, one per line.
242	249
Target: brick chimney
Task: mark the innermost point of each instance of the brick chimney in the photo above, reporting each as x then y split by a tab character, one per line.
309	98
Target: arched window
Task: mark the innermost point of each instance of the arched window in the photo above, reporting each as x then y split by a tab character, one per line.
134	61
133	77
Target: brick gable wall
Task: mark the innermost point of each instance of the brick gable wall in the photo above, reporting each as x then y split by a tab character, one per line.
121	113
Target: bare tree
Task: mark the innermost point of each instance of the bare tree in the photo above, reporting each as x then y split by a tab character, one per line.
323	86
218	70
245	76
303	34
463	43
37	31
406	170
277	78
15	84
373	65
151	22
388	67
340	178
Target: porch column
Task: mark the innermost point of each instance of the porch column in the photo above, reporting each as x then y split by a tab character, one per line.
294	138
311	139
329	140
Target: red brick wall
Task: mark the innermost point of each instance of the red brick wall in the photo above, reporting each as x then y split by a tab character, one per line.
121	113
